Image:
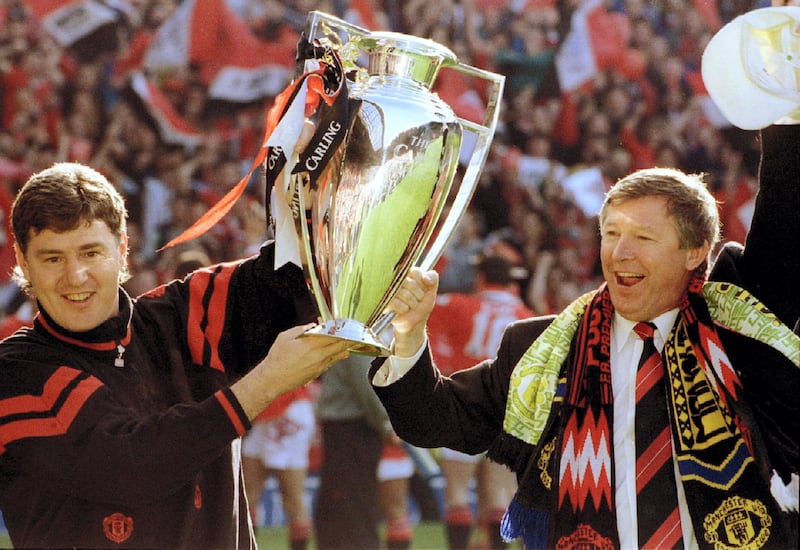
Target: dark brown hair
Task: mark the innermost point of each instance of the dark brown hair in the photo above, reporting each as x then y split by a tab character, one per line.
61	198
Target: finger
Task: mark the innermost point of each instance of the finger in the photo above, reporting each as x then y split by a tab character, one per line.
398	307
431	279
339	350
410	294
299	330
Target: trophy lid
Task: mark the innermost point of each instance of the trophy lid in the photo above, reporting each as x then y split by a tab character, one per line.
392	53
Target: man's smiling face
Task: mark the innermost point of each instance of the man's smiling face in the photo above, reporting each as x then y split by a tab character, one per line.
644	265
75	274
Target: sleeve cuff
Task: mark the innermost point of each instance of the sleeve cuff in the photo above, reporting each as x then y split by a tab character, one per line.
394	368
234	410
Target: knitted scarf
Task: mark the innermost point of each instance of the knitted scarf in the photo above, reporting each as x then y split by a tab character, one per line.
569	365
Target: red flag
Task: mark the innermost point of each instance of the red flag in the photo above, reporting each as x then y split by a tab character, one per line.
575	61
596	41
234	63
173	128
609	33
67	21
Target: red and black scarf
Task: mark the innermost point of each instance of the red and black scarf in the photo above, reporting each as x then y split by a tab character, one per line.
570	502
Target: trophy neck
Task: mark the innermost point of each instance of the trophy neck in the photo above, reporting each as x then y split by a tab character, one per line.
405	56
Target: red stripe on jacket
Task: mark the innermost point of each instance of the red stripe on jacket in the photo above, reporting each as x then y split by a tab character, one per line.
206	324
230	410
58	421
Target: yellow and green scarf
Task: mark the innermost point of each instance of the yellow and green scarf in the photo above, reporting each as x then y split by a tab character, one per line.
569	365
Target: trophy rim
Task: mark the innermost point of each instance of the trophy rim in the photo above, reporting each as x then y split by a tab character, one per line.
407	43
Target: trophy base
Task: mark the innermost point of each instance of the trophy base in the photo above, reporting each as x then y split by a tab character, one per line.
364	341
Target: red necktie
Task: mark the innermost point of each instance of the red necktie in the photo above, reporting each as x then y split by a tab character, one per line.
657	502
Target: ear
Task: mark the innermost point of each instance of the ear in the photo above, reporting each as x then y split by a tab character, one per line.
20	259
123	245
696	256
123	249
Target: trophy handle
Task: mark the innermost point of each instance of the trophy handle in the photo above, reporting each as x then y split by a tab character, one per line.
485	133
320	24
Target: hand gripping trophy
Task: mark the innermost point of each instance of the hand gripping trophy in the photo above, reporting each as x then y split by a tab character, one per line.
379	188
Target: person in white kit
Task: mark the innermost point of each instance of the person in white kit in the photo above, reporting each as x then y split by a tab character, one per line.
279	445
465	328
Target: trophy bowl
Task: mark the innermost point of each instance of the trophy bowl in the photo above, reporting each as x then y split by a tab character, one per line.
379	208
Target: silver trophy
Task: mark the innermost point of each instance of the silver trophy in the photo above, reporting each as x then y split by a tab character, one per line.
394	190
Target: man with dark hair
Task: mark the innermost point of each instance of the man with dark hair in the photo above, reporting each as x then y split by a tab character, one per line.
120	419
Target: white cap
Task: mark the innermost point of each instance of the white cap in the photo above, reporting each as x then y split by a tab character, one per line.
751	67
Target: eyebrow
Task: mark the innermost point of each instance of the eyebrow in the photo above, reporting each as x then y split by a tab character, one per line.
87	246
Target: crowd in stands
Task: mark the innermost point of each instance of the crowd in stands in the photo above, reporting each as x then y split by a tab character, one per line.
556	150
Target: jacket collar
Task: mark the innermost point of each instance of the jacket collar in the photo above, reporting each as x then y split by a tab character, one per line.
107	336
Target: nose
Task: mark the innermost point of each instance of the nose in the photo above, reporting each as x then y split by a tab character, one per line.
75	272
623	249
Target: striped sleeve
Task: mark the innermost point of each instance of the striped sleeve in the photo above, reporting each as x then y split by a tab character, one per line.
234	410
208	295
49	413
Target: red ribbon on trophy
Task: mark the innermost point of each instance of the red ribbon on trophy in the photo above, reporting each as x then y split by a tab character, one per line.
321	83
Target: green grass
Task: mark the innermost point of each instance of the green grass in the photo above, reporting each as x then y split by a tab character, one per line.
427	536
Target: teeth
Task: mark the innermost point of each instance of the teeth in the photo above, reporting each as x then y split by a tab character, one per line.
626	274
79	296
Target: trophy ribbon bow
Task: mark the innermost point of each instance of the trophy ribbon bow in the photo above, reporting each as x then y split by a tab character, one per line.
321	83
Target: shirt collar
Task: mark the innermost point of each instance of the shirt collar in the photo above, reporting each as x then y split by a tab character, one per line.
622	329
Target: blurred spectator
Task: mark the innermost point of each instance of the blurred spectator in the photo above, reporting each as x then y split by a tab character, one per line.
278	444
642	106
21	309
465	328
354	427
457	265
395	470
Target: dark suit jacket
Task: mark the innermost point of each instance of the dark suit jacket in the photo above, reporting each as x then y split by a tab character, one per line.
465	411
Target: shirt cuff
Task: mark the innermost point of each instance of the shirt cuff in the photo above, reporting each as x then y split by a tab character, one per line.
394	368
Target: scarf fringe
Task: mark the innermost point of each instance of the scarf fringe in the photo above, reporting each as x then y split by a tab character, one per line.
532	525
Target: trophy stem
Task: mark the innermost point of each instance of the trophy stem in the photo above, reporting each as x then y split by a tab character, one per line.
364	340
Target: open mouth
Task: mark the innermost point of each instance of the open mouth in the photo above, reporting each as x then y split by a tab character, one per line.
628	279
78	296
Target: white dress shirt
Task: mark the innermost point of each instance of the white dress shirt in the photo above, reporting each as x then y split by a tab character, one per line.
626	349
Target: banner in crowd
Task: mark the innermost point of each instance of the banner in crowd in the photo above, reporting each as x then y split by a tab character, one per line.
232	61
67	21
598	40
172	127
